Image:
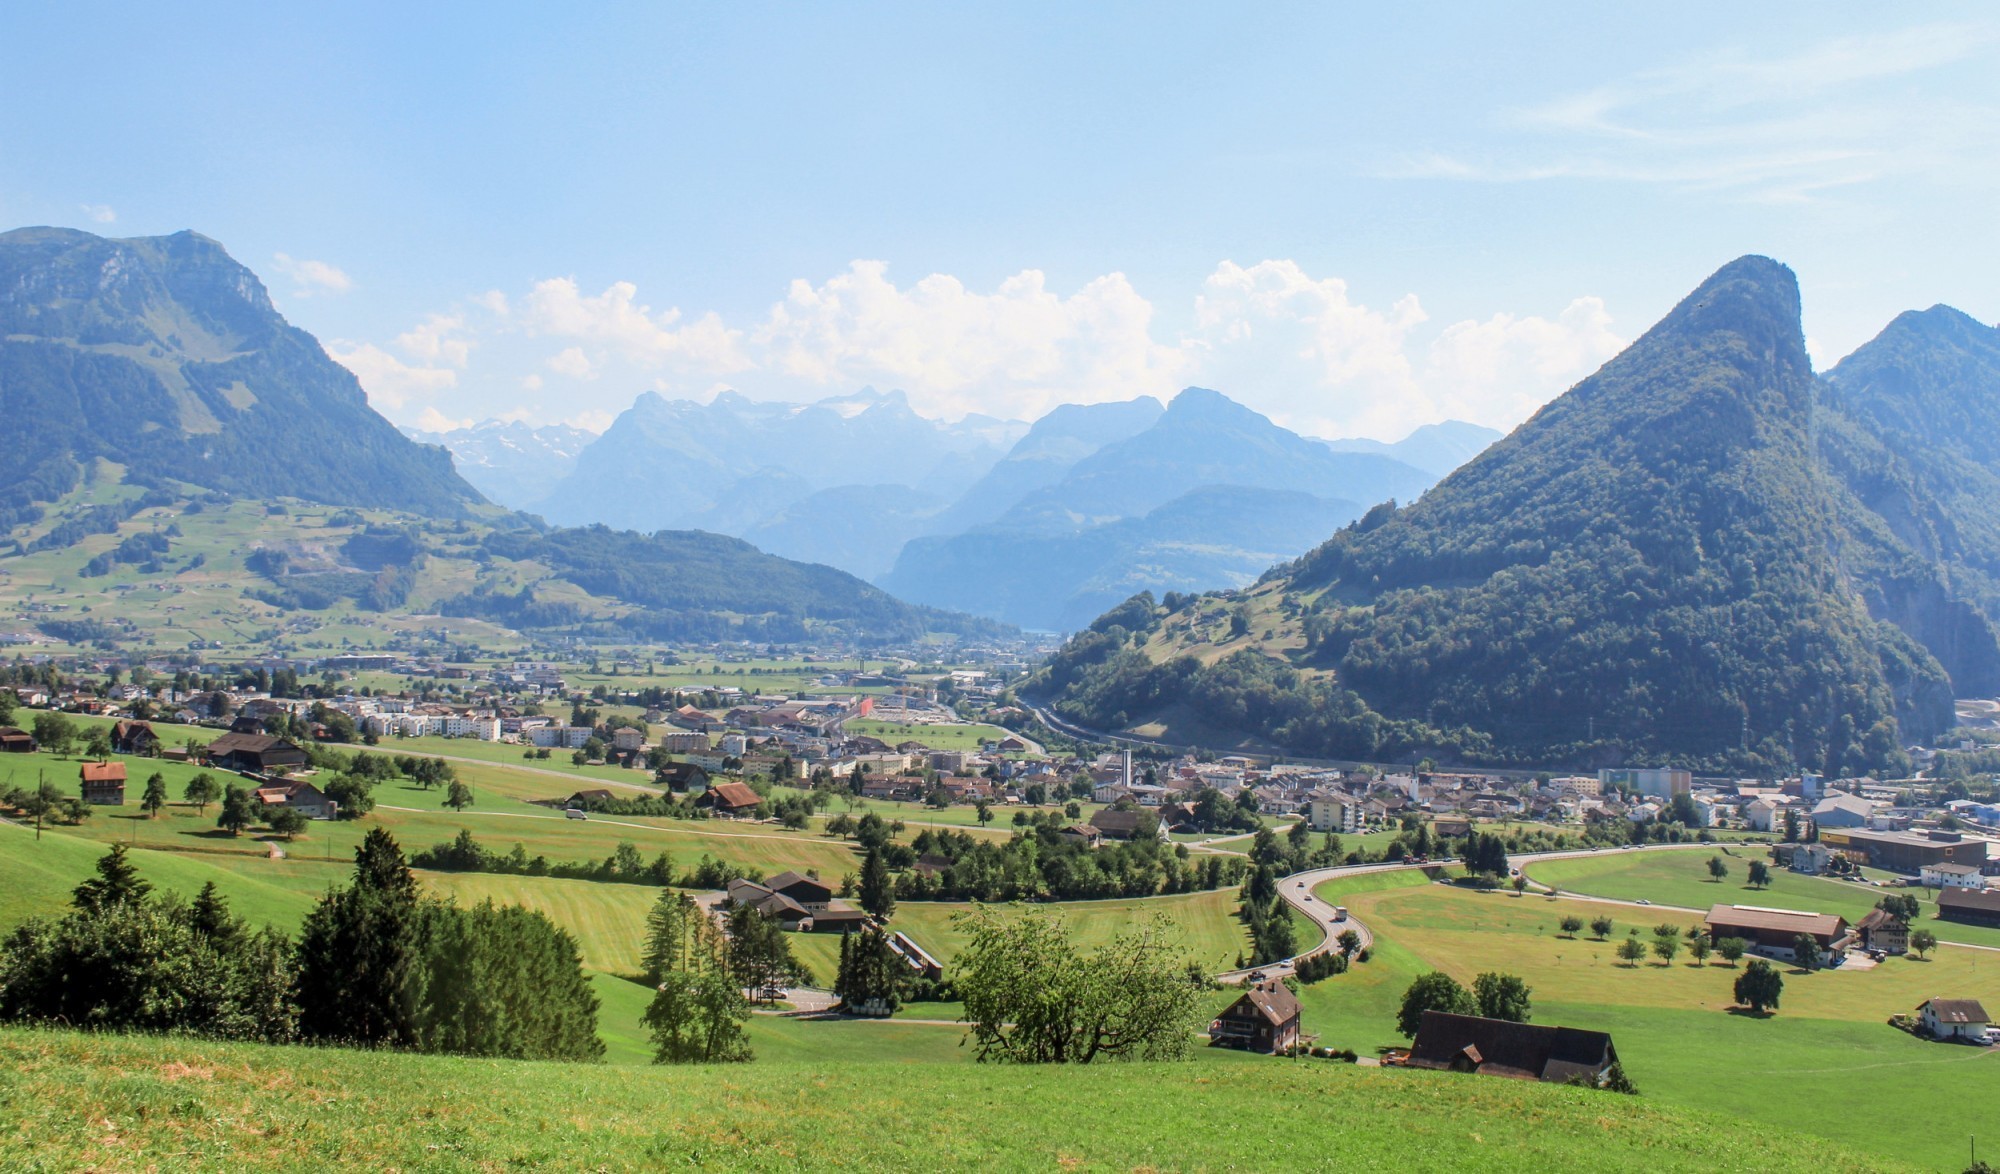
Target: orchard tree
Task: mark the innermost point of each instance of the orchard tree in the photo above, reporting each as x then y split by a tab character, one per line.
1601	927
1717	869
1731	950
1760	874
458	797
1805	951
237	812
1665	946
1570	925
1501	996
1631	950
1922	941
1759	986
1436	991
201	791
1698	948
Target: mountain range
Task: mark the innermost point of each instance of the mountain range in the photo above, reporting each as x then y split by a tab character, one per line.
1040	525
152	381
1702	553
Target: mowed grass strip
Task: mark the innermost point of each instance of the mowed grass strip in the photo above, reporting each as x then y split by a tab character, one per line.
107	1103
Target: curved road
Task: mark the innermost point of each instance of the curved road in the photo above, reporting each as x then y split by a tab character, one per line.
1297	890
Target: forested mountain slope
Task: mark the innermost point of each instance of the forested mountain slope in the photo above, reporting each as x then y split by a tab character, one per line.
165	356
1663	564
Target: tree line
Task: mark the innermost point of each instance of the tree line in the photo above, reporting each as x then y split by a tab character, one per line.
375	965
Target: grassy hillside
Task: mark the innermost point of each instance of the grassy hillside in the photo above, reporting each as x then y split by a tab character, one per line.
110	1103
1826	1064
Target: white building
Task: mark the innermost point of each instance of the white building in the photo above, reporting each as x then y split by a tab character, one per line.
1954	1019
485	729
1950	876
1658	784
1328	814
559	737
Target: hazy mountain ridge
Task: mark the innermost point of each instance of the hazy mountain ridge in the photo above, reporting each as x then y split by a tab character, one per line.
511	462
1139	513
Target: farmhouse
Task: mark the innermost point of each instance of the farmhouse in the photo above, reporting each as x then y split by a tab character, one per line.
1884	931
130	737
807	891
1970	906
103	783
255	753
1113	824
1522	1051
1954	1019
586	800
1772	930
13	741
789	913
1265	1019
681	776
301	797
729	799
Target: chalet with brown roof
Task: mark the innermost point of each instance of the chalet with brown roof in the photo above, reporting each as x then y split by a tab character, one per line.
1884	931
1969	906
729	799
1520	1051
586	800
103	783
788	912
299	795
681	777
1264	1019
255	753
1114	824
13	741
134	737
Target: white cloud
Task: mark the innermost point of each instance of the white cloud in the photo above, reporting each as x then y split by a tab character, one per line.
388	380
1299	348
101	213
432	420
616	319
571	362
1500	370
312	277
590	421
1019	350
1785	128
438	338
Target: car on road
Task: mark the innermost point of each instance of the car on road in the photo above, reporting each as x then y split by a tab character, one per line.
1642	901
573	813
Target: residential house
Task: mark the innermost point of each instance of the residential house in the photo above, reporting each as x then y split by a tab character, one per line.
586	800
1762	814
1884	931
789	913
1951	876
134	737
729	799
682	777
1963	1019
103	783
300	796
1521	1051
1810	859
1264	1019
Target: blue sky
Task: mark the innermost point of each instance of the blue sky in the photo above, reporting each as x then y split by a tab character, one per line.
1354	218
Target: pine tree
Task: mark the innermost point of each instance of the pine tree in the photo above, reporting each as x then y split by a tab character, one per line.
154	800
878	895
117	883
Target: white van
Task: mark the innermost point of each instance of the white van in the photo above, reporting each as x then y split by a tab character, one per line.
573	813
